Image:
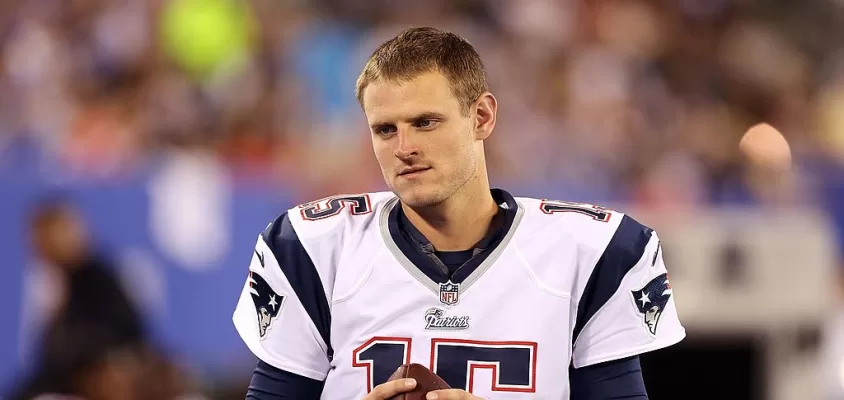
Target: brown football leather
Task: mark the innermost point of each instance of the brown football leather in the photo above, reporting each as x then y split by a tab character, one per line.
426	381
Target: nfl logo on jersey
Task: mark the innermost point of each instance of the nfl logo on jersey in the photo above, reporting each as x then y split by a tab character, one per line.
449	293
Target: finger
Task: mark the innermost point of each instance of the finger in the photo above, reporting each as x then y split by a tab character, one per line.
449	394
386	390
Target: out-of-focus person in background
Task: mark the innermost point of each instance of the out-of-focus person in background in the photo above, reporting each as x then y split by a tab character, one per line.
94	344
90	292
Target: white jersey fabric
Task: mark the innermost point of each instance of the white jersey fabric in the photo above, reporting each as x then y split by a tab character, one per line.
332	295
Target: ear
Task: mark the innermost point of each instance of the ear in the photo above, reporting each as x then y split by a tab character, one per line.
486	108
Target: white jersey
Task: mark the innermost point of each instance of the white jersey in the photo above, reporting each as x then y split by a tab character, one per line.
333	295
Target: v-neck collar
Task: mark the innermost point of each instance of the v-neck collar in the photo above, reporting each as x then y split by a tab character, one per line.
489	240
416	253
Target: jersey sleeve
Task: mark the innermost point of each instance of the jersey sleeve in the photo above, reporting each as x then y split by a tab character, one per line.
283	313
627	305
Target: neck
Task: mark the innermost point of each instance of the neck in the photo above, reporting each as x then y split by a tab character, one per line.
457	223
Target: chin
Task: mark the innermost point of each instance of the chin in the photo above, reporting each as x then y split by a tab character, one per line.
420	196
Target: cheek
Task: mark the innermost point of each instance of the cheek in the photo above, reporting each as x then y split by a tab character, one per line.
381	152
461	149
385	160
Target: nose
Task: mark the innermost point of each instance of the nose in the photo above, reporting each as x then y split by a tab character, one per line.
406	147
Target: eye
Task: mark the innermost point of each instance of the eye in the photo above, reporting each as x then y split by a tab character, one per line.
385	130
425	123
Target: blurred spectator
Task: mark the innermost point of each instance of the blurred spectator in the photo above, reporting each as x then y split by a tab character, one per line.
91	291
94	345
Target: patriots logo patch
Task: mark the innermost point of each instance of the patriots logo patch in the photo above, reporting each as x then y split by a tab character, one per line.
651	301
267	302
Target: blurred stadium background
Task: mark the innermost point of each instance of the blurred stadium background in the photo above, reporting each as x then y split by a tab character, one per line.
155	139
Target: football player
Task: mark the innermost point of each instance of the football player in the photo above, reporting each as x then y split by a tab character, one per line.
503	297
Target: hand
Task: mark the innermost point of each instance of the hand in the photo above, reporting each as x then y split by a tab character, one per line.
389	389
451	394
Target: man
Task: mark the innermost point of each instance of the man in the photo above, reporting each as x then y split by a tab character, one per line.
502	297
93	319
95	344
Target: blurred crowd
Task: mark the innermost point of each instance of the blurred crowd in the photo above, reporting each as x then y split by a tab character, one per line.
601	100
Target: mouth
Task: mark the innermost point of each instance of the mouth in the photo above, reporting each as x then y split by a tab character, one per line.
413	171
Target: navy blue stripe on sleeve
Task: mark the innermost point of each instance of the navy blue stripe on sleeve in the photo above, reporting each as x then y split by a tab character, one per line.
301	273
271	383
624	250
612	380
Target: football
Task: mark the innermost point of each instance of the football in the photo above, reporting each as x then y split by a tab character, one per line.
426	381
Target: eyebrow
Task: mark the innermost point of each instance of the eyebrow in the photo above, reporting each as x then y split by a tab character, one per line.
424	115
428	115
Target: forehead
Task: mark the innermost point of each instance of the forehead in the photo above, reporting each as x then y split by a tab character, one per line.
429	92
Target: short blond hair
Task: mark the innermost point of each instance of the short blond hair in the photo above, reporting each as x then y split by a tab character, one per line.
416	51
